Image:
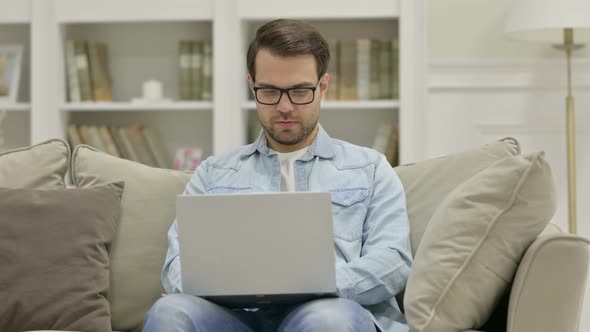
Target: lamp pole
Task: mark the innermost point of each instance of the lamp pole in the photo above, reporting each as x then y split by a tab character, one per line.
568	39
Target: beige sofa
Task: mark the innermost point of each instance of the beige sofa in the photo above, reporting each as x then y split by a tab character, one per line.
541	289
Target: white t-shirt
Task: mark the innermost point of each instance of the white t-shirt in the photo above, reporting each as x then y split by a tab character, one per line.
287	160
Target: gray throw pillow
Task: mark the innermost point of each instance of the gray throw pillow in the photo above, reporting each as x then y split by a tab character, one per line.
40	166
54	257
148	208
474	242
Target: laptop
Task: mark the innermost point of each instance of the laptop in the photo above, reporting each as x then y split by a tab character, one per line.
257	249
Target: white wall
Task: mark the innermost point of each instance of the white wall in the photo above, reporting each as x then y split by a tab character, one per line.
484	86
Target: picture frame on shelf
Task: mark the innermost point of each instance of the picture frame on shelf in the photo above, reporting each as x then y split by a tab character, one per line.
10	71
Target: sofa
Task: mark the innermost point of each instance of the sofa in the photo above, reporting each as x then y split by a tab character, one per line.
83	240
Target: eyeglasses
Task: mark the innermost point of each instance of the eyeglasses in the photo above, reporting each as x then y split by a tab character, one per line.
297	96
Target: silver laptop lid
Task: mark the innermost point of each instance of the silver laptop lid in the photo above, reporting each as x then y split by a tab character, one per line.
261	243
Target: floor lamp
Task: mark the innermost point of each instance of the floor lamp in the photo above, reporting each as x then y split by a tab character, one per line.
555	22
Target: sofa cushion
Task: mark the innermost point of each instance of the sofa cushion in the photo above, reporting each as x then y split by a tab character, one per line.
427	183
140	244
54	258
474	242
41	166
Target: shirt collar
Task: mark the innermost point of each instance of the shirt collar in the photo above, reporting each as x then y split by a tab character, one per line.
321	146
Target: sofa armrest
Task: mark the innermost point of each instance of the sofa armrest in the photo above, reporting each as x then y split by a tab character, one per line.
548	288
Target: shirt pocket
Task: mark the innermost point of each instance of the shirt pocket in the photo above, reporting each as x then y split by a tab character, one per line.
229	190
349	211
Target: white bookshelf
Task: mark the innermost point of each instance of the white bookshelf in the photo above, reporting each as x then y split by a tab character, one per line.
178	106
355	121
16	107
142	37
15	28
335	105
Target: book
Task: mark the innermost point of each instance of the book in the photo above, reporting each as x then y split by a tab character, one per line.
196	69
334	70
99	73
207	71
135	136
392	150
184	70
386	65
71	72
375	69
156	146
363	69
108	142
381	140
95	139
395	69
348	61
117	140
84	80
128	147
74	136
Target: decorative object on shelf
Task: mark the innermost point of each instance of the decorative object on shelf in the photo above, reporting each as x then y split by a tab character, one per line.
187	159
10	67
554	22
152	91
3	115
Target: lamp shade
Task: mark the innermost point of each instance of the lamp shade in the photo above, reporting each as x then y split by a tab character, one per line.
544	20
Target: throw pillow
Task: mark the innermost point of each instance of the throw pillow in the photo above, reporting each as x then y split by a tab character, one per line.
427	183
54	257
41	166
474	242
148	209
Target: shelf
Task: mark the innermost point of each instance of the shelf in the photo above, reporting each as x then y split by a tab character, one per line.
327	9
15	107
91	11
185	106
15	11
360	105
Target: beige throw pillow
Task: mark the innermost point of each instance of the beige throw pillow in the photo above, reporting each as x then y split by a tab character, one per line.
474	242
427	183
53	257
138	251
41	166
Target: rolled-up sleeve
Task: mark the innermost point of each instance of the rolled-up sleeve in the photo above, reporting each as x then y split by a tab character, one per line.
383	267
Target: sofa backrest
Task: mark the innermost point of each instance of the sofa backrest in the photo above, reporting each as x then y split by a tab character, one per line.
148	208
40	166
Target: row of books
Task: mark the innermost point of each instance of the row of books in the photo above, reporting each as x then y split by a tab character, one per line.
363	69
136	142
387	142
195	68
87	71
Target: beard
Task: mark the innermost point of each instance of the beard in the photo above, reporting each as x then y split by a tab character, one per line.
291	136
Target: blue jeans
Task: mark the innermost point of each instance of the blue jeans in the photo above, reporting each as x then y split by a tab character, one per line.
187	313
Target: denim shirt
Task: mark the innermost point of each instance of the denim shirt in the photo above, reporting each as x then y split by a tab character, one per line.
371	229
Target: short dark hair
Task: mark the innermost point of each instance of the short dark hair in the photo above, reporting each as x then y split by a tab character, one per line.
287	37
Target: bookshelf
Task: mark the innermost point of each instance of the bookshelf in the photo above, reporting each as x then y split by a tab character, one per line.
142	37
15	22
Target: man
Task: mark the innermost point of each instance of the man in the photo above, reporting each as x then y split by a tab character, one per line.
287	64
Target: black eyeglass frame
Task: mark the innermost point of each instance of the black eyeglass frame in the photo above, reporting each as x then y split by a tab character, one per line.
286	91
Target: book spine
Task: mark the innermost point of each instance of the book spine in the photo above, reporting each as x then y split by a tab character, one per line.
196	69
363	70
72	72
184	70
83	70
207	72
334	70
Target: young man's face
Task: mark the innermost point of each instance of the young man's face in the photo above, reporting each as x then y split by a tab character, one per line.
288	127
